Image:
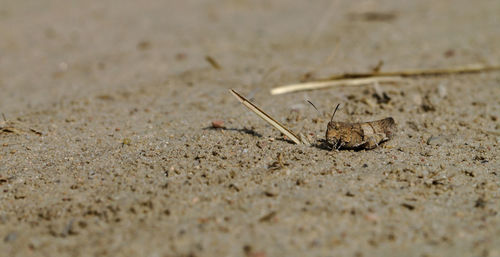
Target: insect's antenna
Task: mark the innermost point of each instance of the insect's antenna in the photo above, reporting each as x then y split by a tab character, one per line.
334	112
313	106
3	116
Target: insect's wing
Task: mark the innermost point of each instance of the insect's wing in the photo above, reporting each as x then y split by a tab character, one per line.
386	126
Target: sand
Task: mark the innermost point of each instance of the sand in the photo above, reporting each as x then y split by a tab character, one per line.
107	147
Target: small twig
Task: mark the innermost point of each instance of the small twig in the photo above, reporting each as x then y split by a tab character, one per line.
356	79
36	132
473	68
267	118
10	130
213	62
332	83
377	68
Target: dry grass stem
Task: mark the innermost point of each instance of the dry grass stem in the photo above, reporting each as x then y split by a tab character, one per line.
333	83
267	118
357	79
472	68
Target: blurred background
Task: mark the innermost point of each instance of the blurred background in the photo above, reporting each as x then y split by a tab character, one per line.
54	49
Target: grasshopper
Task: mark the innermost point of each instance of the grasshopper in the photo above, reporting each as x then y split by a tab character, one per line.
362	135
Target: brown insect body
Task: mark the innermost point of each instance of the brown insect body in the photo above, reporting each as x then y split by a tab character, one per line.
364	135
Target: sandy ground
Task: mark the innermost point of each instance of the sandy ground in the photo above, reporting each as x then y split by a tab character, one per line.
107	147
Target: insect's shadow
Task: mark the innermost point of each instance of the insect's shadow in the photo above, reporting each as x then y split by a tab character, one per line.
285	140
240	130
322	145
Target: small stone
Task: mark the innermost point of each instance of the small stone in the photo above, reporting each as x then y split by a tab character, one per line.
449	53
480	203
417	99
126	141
217	124
369	102
408	206
268	217
373	217
442	92
412	125
427	104
10	237
436	140
261	144
144	45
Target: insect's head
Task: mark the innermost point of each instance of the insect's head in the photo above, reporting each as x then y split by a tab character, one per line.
333	130
333	134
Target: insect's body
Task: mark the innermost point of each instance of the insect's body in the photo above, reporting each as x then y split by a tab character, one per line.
364	135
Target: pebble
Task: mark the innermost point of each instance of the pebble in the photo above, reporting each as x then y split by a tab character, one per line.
442	92
218	124
417	99
10	237
436	140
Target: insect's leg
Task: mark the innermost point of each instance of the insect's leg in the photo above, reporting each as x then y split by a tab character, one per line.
360	145
340	145
374	140
371	142
332	146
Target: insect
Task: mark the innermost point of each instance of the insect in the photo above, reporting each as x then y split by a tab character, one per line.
345	135
363	135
